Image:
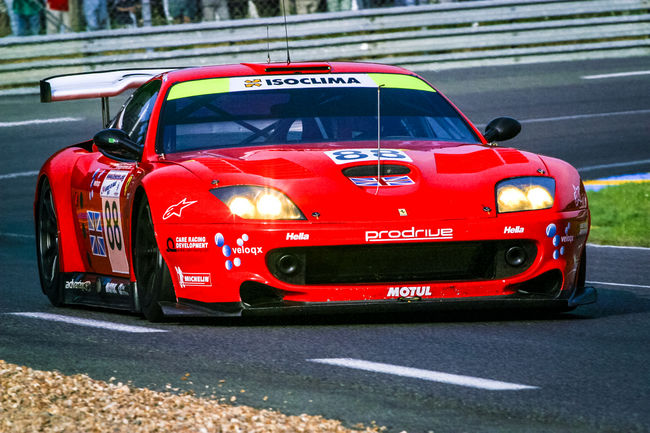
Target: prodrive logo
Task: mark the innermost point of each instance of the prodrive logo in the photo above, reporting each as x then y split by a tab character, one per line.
412	234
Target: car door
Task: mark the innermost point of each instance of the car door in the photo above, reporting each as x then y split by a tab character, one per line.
103	188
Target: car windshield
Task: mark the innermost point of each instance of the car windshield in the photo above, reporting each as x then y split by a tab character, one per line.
308	115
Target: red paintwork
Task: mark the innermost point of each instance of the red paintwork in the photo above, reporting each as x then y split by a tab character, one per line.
453	185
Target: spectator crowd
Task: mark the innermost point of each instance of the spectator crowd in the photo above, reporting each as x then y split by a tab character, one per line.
33	17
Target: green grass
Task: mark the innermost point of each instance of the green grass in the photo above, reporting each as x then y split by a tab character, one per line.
620	215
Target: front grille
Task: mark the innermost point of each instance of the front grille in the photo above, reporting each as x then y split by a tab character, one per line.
357	264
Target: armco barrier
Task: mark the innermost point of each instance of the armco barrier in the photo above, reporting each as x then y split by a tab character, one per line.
430	37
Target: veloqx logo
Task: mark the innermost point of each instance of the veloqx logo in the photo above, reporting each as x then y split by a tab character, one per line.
411	234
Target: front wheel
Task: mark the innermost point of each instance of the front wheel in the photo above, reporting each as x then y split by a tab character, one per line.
47	246
154	282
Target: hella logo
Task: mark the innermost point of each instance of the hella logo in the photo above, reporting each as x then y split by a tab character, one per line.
511	230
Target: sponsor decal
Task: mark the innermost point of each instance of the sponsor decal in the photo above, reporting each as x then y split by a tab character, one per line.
557	239
312	80
577	197
253	83
177	209
344	156
112	183
412	234
383	181
186	243
298	236
303	81
128	182
513	230
194	279
408	291
402	212
84	286
114	288
94	183
229	252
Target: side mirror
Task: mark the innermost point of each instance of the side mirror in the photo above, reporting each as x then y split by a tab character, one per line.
501	129
116	144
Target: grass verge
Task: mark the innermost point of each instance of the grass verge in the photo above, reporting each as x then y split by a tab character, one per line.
620	215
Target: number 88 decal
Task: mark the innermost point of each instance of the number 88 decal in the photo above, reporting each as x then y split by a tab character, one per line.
113	232
349	155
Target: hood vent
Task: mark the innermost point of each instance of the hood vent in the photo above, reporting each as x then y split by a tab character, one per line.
371	170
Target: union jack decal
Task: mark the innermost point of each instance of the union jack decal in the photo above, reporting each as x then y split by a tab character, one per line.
94	221
365	181
383	181
98	245
397	180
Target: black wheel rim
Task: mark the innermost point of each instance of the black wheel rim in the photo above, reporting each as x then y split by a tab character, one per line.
148	260
48	237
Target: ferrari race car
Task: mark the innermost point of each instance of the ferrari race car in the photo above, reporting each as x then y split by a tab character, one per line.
254	188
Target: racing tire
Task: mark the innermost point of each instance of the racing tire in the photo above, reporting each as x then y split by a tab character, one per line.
47	246
153	280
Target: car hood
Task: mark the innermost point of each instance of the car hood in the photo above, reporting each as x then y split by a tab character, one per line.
442	183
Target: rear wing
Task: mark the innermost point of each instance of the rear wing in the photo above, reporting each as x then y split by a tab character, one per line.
95	85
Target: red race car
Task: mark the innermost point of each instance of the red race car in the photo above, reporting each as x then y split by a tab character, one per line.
290	187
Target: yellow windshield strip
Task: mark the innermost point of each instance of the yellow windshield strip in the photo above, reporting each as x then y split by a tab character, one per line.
398	81
199	87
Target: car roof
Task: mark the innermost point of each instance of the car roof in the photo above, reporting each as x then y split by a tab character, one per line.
247	69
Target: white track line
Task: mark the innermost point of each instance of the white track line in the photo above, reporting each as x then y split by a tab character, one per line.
585	116
620	247
17	235
416	373
640	286
21	174
613	165
615	75
40	121
88	322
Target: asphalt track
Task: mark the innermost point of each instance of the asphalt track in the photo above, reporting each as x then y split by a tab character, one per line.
580	372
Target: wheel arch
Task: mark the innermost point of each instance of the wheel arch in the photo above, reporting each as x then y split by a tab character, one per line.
58	172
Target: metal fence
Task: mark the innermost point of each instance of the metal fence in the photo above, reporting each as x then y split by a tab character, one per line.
434	36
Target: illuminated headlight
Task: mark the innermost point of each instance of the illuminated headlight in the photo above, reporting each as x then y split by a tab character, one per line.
257	202
525	193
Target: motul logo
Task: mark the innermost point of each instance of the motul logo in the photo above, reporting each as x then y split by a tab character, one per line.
409	291
511	230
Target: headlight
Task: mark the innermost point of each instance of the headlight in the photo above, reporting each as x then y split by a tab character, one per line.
257	202
525	193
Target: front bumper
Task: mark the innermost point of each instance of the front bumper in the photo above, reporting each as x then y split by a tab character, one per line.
235	268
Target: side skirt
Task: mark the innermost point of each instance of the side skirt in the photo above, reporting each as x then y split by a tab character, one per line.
98	291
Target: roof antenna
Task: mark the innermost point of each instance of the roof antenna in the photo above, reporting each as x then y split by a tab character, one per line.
286	32
379	136
268	46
